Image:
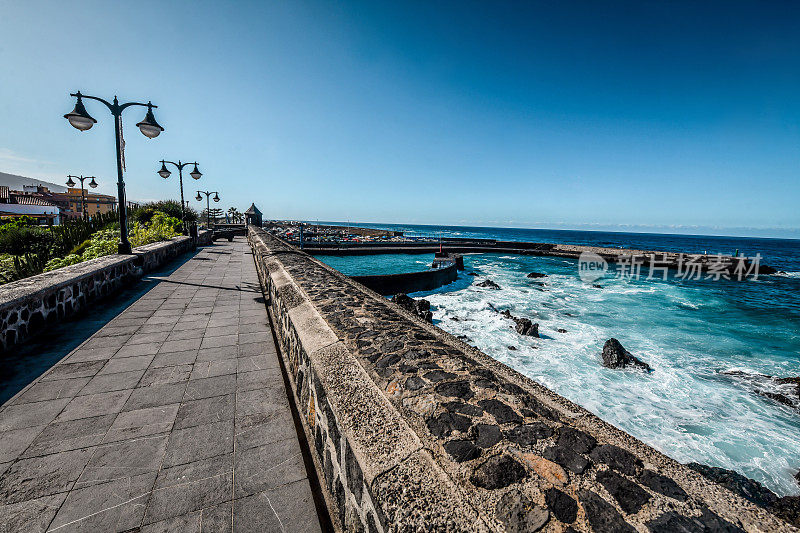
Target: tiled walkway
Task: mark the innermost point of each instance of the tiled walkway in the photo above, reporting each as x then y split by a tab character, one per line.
172	417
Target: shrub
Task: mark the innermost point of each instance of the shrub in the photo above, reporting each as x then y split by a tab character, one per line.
59	262
171	208
21	240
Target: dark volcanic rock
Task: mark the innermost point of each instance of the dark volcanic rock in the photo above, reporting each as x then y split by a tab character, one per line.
512	348
486	435
576	439
421	308
536	275
561	330
523	326
620	460
630	496
414	383
445	423
562	506
735	482
526	327
601	515
788	509
501	412
529	433
672	522
498	472
616	356
463	408
519	514
462	450
455	389
782	390
663	485
489	284
438	375
566	458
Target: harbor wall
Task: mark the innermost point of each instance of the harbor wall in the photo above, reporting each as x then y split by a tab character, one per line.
406	282
27	306
413	430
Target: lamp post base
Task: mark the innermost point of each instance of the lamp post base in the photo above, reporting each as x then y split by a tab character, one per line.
124	248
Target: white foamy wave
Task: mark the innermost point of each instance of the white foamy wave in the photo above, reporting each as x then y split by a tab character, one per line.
685	408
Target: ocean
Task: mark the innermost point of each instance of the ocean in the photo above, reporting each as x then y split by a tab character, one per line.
709	342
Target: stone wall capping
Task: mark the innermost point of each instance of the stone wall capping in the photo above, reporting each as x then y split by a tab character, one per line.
415	430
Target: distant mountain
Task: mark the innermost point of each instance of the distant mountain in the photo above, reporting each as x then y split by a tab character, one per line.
15	182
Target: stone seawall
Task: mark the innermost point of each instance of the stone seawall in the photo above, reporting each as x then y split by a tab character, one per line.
413	430
406	282
28	305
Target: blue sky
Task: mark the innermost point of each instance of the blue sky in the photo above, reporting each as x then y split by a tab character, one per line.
649	116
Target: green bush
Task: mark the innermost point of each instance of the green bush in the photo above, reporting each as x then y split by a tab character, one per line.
171	208
59	262
21	240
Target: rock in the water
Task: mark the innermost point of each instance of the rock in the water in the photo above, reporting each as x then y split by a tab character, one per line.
747	488
512	348
498	472
536	275
489	284
616	356
523	326
782	390
472	273
797	476
421	307
561	330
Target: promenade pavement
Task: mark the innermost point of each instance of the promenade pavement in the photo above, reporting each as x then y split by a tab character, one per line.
172	417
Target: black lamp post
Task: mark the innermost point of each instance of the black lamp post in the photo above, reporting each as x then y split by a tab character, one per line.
208	204
92	184
196	174
82	121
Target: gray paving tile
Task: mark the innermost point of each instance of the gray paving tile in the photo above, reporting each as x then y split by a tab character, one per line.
199	442
205	411
15	441
42	476
290	508
185	357
91	354
207	387
70	435
74	370
126	364
102	403
141	348
145	338
222	340
116	505
142	422
30	516
278	427
216	354
182	345
267	467
166	374
210	369
112	382
124	459
31	414
51	390
155	395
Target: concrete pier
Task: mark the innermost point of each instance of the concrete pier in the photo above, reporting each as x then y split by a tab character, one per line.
172	417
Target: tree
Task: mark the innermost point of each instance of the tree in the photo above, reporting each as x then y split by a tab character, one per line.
235	215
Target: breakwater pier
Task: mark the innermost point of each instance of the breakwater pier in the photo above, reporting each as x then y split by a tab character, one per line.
256	389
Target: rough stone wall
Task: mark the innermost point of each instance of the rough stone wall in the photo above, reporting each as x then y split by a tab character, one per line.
28	305
415	430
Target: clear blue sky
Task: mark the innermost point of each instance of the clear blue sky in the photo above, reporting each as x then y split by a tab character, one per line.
631	115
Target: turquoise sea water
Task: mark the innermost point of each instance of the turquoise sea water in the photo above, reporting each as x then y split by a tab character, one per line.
690	332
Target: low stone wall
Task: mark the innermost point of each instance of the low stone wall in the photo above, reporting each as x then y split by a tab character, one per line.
28	305
427	280
413	430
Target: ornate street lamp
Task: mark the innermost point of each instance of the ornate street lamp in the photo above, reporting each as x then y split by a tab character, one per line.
208	204
92	184
80	119
195	174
